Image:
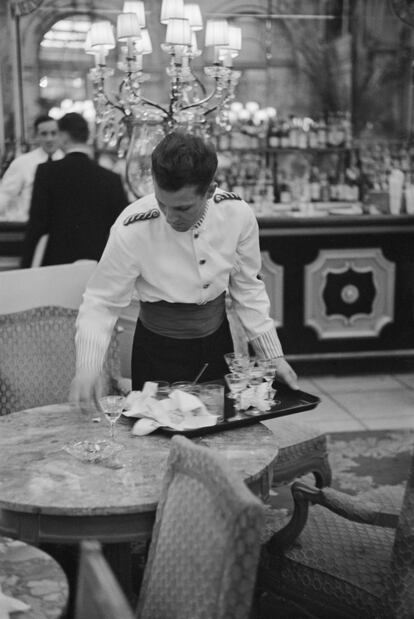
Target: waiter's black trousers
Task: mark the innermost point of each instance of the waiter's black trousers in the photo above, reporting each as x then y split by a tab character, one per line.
156	357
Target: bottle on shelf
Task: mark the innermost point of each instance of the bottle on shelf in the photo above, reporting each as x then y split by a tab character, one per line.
315	185
284	188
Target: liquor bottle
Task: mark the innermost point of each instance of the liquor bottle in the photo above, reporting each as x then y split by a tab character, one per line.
321	133
315	186
324	188
285	192
274	134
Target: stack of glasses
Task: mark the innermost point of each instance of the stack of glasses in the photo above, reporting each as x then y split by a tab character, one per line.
250	383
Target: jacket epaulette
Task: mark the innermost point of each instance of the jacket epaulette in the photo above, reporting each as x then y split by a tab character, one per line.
153	213
226	195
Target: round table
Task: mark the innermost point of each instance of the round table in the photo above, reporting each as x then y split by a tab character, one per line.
32	576
47	495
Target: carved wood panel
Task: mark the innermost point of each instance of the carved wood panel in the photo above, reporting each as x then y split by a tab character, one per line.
349	293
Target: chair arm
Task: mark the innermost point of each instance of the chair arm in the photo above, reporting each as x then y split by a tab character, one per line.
338	502
348	506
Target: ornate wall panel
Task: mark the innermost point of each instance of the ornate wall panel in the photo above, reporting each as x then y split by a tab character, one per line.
349	293
272	275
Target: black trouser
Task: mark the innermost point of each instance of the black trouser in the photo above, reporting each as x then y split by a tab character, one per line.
156	357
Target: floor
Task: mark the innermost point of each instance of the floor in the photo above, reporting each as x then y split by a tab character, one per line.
360	402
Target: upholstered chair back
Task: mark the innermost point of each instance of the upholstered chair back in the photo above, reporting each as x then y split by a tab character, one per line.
205	544
37	358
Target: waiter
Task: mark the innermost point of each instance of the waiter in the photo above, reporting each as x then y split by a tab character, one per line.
180	248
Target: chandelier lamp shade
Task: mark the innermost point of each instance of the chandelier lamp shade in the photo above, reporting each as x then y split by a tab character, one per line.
125	114
182	22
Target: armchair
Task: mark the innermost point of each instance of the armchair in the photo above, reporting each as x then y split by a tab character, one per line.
344	557
204	549
37	358
205	544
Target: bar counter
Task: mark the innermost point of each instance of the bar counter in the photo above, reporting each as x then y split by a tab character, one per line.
341	286
11	243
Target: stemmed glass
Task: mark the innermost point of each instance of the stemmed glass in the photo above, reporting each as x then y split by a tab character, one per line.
269	371
237	362
236	381
112	407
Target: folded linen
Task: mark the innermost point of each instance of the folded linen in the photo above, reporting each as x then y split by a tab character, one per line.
180	411
255	396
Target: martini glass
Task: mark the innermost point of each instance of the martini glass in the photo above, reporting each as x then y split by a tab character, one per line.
112	407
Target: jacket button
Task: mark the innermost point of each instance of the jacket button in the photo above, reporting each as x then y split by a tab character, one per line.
206	285
196	235
202	262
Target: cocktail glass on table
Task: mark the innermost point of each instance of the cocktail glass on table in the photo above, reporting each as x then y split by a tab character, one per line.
112	407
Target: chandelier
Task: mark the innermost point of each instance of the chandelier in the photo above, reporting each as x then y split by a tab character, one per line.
126	118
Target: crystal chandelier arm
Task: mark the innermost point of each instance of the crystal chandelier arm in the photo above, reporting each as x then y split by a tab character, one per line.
202	101
101	91
153	104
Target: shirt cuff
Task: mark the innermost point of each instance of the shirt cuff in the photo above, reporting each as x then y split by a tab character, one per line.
90	354
267	345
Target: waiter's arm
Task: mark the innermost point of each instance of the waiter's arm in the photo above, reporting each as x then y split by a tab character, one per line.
251	301
109	291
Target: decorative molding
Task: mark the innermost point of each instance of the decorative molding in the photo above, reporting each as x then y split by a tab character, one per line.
273	276
349	293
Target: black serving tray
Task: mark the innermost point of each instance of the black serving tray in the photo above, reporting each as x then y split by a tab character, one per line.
291	401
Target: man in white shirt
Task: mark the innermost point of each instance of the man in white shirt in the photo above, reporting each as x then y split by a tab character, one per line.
17	182
180	249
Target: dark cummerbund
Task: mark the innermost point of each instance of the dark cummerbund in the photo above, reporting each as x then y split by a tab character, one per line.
183	320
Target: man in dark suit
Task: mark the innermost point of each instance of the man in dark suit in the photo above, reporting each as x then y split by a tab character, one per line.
75	201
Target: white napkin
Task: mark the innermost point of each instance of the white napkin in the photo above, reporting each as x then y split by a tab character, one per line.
255	396
180	411
11	605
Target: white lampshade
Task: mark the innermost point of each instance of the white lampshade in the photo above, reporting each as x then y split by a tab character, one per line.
178	32
193	14
236	106
88	47
235	38
252	106
102	35
127	26
244	114
143	44
171	9
217	32
194	46
135	6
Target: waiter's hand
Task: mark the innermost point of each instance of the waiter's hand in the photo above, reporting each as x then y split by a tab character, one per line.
85	390
285	374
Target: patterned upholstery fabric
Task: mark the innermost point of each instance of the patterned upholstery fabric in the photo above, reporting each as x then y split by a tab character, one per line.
302	449
340	568
37	358
205	544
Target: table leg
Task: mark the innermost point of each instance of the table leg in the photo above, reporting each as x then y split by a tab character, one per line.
119	558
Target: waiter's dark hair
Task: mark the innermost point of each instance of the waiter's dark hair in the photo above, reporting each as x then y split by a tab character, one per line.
182	159
75	125
43	118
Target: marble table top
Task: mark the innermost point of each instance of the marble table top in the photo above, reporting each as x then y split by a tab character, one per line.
32	576
38	476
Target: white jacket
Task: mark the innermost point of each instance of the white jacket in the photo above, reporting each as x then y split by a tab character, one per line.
17	183
146	255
